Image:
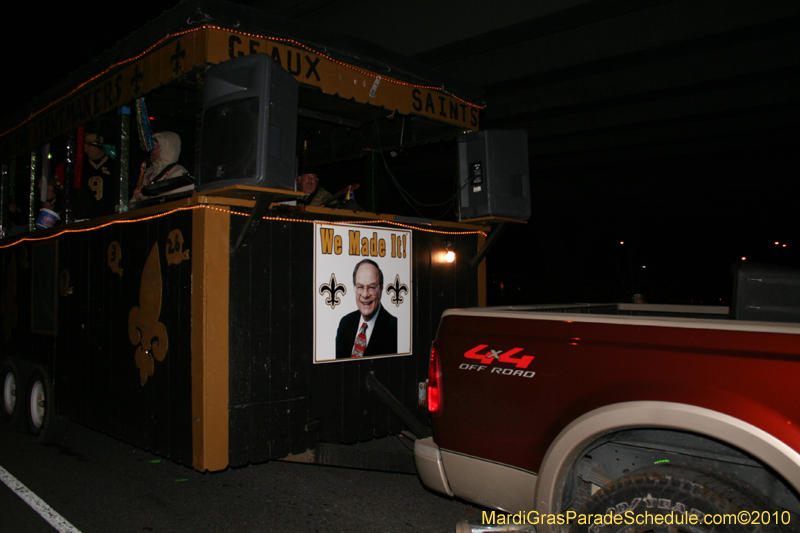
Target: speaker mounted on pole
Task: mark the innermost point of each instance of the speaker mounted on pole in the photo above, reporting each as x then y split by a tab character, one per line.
493	171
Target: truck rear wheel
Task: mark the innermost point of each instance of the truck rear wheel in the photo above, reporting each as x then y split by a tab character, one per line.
43	423
675	499
12	397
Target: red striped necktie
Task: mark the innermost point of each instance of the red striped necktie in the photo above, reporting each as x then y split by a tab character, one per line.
361	342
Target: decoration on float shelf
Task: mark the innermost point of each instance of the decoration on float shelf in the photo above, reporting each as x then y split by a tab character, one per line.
146	333
352	268
146	140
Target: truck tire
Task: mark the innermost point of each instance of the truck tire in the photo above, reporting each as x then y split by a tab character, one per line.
12	392
43	423
676	493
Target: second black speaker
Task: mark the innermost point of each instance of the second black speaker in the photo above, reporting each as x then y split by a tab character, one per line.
493	167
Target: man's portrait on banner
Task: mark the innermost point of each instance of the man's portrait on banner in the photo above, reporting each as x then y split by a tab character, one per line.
370	329
357	312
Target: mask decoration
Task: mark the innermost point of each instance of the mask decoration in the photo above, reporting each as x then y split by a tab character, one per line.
174	248
114	257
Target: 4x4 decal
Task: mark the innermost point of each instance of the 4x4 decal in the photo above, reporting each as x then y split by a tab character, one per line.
501	356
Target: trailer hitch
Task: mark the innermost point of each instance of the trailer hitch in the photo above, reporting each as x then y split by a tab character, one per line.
418	428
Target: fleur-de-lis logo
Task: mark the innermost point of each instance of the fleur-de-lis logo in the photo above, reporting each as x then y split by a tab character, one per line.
333	288
145	331
176	58
398	289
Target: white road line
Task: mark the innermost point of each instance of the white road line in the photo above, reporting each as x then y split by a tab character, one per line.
53	518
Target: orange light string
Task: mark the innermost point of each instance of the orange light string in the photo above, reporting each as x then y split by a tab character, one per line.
204	206
209	26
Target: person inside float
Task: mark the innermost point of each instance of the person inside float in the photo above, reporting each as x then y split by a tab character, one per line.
164	175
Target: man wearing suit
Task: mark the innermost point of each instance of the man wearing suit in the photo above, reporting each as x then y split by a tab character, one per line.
370	330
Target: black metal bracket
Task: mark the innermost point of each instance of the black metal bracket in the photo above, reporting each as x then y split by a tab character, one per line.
493	236
418	428
252	224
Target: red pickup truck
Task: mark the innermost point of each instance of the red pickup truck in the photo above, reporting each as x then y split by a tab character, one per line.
607	417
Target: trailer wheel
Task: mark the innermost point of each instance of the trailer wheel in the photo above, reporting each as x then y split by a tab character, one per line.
693	501
12	397
42	421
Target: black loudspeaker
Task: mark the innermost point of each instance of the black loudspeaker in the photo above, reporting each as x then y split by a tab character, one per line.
493	167
249	125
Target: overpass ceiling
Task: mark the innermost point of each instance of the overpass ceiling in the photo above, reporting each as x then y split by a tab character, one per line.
596	81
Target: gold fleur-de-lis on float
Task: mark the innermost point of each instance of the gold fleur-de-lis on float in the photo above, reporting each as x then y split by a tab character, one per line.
144	329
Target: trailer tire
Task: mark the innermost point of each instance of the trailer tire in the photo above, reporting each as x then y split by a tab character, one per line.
680	493
43	423
12	392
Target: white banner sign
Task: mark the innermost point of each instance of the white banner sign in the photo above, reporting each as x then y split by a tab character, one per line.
363	292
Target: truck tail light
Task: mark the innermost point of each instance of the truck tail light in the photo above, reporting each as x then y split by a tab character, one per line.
434	383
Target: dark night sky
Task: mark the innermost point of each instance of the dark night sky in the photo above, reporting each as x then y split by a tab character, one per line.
42	42
684	221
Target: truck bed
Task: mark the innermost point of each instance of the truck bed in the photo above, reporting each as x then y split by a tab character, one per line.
528	393
682	316
622	309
